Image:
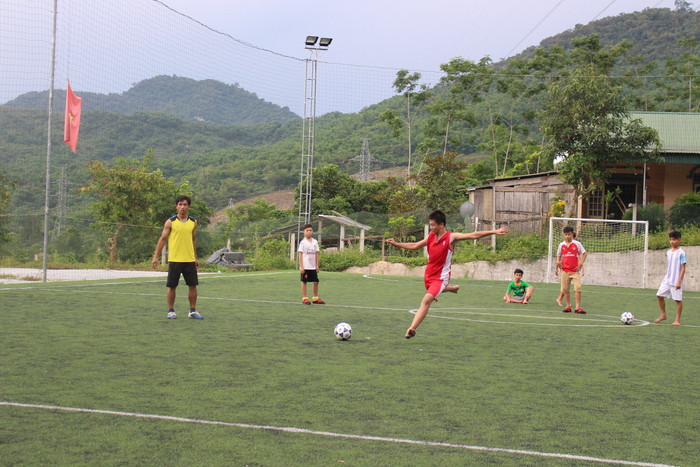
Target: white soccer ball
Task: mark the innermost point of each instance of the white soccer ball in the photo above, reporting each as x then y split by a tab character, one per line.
343	331
626	318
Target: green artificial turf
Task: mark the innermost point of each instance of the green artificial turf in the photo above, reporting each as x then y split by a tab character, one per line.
485	378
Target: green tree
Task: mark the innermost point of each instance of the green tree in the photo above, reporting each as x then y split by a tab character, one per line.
685	211
585	123
399	197
441	180
6	188
334	190
129	194
462	82
407	83
683	6
683	77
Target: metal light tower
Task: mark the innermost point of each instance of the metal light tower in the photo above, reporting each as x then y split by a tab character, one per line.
308	128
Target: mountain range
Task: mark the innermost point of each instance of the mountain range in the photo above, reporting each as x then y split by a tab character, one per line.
229	144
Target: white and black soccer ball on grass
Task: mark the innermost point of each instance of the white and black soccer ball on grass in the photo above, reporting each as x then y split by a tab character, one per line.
343	331
626	318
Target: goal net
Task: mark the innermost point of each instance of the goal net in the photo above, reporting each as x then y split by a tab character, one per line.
617	250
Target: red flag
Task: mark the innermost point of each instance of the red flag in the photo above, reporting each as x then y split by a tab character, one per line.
71	126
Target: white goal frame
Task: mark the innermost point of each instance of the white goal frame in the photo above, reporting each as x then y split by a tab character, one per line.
601	265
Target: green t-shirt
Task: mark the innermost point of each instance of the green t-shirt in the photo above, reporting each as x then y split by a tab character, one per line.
518	290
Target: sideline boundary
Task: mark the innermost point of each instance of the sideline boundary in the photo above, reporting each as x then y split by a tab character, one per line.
334	435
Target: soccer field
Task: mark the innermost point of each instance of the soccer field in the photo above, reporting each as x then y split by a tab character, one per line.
92	373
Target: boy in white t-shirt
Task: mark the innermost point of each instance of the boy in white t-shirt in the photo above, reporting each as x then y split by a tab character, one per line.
308	264
672	283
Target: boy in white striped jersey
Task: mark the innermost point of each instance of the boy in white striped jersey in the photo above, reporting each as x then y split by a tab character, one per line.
672	284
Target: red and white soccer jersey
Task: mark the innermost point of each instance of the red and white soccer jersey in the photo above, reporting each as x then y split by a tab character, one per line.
569	255
439	257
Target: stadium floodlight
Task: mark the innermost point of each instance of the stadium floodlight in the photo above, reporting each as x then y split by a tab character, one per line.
307	129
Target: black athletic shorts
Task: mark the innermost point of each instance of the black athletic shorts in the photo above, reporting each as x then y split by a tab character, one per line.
188	271
309	275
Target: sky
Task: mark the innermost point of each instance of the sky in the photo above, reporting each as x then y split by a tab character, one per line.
106	47
413	34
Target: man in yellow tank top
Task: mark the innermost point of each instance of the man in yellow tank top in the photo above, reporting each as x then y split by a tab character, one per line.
180	231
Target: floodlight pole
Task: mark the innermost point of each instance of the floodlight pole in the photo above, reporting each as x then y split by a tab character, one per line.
308	131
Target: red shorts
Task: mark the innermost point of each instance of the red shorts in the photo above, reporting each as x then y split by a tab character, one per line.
435	286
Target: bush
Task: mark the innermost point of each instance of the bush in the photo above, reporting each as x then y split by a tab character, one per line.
690	237
273	254
652	213
341	260
529	247
685	211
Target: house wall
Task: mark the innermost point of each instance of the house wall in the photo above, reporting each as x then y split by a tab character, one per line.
676	182
656	174
522	204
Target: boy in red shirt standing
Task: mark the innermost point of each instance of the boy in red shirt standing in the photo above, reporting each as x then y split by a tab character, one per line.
570	258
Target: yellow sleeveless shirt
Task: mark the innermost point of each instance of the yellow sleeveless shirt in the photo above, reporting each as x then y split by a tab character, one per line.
180	244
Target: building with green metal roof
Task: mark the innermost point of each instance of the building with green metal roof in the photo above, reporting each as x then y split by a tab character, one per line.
526	198
678	131
679	172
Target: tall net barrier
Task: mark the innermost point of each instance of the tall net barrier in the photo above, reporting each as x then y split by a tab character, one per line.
107	49
617	250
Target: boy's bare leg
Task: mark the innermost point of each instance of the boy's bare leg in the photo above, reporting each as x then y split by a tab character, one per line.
192	296
303	290
679	310
578	299
662	307
170	297
561	295
567	299
315	289
420	314
452	288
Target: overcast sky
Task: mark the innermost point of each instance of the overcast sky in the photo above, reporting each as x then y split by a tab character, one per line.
414	34
105	46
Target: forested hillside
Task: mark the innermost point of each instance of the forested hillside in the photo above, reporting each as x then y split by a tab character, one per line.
654	31
205	101
230	145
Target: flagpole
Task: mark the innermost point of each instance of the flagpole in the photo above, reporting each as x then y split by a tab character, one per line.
48	143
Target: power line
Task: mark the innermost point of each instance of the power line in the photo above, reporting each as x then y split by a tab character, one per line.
533	29
603	10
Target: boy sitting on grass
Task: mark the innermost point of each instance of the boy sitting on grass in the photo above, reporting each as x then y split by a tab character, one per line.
521	290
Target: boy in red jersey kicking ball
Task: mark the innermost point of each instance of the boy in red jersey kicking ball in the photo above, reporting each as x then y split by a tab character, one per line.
440	243
570	258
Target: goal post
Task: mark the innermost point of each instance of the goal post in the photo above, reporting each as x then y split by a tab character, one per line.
617	250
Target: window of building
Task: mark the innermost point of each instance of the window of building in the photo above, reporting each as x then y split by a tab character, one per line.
596	204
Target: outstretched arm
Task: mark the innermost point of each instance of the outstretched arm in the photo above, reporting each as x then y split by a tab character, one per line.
408	245
458	236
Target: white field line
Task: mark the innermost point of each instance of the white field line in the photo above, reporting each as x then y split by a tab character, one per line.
573	321
336	435
552	285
